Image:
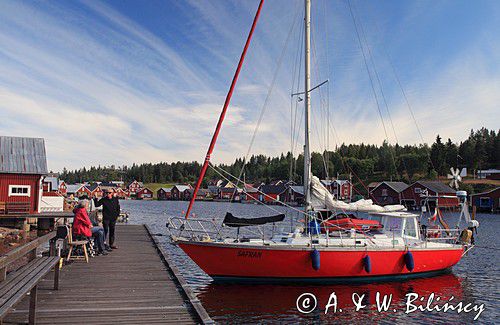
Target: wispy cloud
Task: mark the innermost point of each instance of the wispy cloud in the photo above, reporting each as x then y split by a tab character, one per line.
106	86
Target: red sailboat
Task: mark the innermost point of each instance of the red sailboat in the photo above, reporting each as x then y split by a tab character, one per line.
388	242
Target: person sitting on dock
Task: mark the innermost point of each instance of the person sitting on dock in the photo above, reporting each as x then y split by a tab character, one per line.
110	213
82	226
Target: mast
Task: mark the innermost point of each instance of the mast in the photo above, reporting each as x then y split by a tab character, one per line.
224	110
307	102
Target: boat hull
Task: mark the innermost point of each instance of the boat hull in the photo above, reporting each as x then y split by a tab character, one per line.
225	262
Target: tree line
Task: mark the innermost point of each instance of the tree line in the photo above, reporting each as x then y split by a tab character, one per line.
364	163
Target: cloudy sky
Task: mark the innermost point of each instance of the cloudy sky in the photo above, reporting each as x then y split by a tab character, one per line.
144	81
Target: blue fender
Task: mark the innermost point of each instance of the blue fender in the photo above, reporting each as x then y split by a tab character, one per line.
315	259
367	263
409	262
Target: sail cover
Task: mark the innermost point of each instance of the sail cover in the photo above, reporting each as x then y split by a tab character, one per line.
321	198
232	221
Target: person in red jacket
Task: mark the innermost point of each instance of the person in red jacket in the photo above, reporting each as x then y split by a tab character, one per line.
82	226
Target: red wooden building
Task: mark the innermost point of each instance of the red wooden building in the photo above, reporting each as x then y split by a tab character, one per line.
144	194
95	190
121	193
178	192
62	187
23	162
487	201
134	187
251	194
435	192
386	193
229	194
164	193
273	193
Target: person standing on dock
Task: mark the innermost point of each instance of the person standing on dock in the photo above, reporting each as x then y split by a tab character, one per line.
110	212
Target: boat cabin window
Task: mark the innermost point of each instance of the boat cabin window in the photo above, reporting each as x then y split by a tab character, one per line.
394	224
410	229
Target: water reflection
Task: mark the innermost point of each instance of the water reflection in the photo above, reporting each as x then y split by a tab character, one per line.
263	302
475	279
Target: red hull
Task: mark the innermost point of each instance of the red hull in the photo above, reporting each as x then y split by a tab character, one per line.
257	262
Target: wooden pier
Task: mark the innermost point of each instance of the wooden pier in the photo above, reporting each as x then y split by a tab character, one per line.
135	284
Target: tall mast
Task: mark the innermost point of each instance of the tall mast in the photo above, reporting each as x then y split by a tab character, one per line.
224	110
307	101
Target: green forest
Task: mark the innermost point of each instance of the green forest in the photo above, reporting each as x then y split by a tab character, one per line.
364	163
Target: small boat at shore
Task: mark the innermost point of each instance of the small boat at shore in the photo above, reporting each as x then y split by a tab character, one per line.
381	242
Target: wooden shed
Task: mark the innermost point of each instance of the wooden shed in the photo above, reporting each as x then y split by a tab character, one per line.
144	194
487	201
387	193
435	192
23	162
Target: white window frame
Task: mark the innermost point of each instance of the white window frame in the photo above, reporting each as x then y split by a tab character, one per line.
418	190
11	187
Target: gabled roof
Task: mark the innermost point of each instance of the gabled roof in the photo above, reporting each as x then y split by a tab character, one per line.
273	189
297	189
436	186
92	187
165	189
249	188
134	181
22	155
398	187
181	188
488	192
73	188
225	183
145	189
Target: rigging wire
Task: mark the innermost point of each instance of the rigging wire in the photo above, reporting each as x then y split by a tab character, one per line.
367	68
268	96
383	95
398	81
293	112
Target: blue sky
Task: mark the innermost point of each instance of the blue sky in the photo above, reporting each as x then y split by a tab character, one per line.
143	81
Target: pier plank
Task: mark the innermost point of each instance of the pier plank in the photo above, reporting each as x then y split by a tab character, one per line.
132	285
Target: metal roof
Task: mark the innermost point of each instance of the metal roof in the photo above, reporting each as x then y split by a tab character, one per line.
396	186
182	188
436	186
22	155
298	189
73	188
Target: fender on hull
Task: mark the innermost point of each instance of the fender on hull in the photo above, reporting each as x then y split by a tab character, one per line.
251	262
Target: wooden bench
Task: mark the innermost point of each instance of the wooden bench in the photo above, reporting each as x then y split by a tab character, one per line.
15	285
17	207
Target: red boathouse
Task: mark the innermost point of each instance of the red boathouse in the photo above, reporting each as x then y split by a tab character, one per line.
23	162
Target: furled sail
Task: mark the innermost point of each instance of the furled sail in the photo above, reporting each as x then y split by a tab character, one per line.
321	198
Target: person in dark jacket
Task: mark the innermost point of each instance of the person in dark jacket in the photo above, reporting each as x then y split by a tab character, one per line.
110	212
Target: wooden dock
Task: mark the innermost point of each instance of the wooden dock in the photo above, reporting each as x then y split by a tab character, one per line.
135	284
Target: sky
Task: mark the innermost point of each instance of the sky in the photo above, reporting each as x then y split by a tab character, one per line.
122	82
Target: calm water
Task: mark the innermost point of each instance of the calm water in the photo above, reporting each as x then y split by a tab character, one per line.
474	279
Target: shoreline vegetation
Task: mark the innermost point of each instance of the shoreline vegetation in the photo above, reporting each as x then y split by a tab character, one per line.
362	162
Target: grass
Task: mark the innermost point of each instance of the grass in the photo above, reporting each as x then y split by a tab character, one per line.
156	186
